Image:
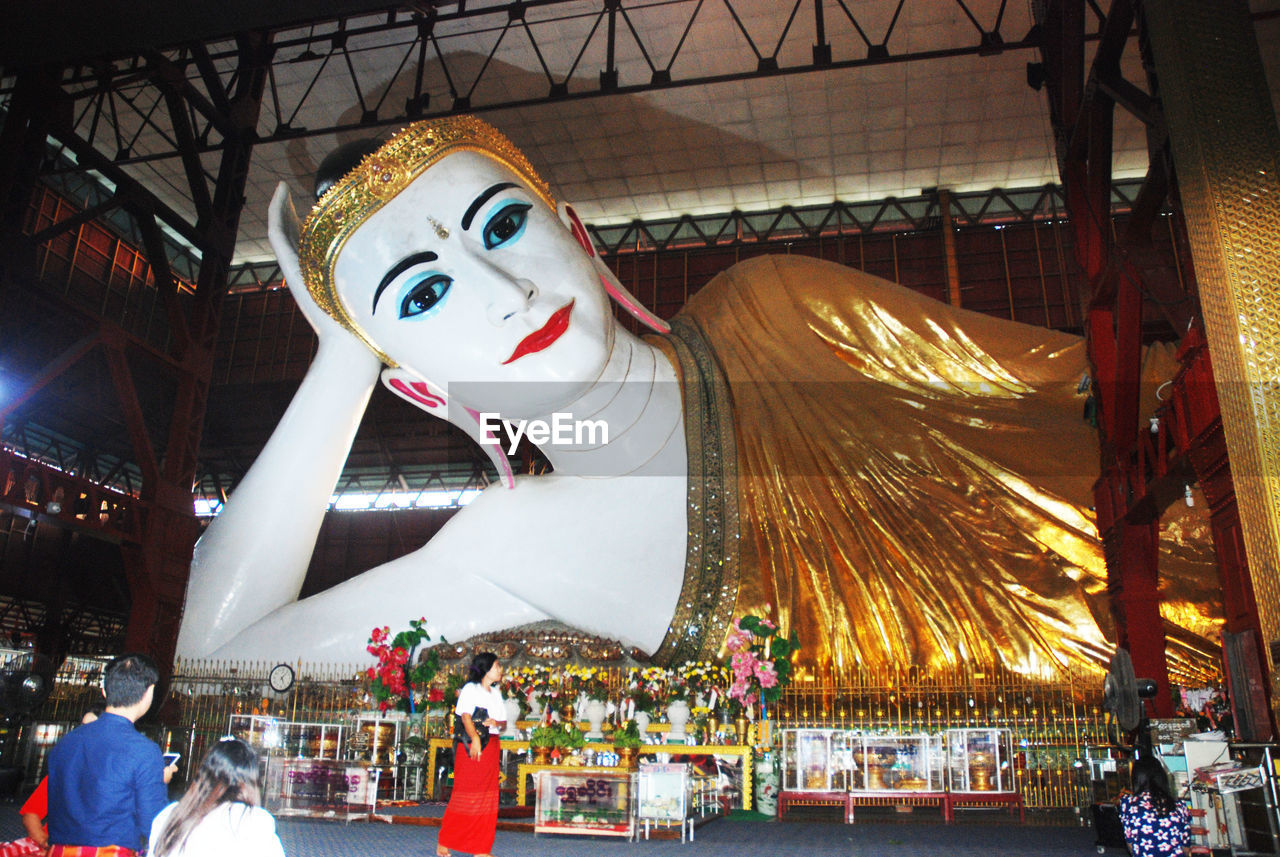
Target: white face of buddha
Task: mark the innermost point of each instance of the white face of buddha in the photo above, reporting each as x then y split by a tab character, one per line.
468	279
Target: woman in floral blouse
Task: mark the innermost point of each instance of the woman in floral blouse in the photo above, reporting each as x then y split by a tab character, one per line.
1155	822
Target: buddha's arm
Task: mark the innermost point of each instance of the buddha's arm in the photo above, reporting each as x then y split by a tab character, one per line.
605	556
254	556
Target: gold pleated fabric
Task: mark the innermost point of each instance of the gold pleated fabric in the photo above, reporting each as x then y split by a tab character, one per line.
915	479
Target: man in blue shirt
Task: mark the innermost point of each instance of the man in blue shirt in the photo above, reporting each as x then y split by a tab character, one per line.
107	781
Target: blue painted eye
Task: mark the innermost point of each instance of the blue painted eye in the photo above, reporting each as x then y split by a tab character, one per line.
424	295
507	225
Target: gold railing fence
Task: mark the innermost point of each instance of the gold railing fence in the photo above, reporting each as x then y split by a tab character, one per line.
1051	720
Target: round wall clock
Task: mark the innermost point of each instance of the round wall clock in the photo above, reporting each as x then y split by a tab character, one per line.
280	678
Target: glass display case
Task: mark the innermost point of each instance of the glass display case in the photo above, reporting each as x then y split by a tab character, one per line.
273	736
258	731
600	803
980	760
817	760
663	793
319	787
374	739
839	760
894	762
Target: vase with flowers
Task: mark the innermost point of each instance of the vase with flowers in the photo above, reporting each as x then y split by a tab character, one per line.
678	709
707	683
513	698
399	680
760	660
594	692
643	691
534	689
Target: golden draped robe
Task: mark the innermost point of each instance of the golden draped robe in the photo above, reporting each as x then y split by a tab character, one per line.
901	481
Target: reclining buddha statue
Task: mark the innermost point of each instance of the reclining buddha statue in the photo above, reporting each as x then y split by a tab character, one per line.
898	480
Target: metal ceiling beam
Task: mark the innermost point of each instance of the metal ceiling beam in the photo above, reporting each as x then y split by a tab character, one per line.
423	48
78	31
157	564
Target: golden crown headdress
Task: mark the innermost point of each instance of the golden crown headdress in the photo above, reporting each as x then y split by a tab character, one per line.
377	179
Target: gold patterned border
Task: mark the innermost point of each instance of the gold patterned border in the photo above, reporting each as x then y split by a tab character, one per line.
704	610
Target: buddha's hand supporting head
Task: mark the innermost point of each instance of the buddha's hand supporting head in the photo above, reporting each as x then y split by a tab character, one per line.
283	228
443	252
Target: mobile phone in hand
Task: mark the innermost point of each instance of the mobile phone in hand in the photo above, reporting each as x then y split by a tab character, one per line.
171	759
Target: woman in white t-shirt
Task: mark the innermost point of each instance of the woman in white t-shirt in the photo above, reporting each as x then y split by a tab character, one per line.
471	819
220	813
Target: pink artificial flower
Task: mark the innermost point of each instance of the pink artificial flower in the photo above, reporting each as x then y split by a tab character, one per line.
767	674
738	640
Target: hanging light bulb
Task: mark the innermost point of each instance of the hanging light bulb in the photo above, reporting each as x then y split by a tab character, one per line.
1155	424
1191	501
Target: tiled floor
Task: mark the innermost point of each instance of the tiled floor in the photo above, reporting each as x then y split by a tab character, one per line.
718	839
975	835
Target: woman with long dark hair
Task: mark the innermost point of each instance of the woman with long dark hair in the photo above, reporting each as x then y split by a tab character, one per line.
221	810
1155	823
471	819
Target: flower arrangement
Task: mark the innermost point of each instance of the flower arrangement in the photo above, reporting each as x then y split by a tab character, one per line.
644	689
677	687
588	682
706	680
554	689
760	658
530	684
513	686
397	681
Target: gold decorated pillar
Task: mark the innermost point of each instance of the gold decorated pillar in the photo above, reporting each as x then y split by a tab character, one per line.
1226	153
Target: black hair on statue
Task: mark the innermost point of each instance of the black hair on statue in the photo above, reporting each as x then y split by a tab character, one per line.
341	161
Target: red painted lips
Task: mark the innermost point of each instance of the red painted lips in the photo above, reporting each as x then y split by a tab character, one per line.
543	336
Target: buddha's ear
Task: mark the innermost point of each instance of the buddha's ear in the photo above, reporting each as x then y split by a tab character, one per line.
612	285
433	399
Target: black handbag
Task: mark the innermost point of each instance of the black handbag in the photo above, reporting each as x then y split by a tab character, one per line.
478	717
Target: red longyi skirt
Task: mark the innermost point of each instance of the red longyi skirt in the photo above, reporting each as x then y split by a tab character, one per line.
471	819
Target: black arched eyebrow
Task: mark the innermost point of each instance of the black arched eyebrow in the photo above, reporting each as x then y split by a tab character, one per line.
481	200
399	268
